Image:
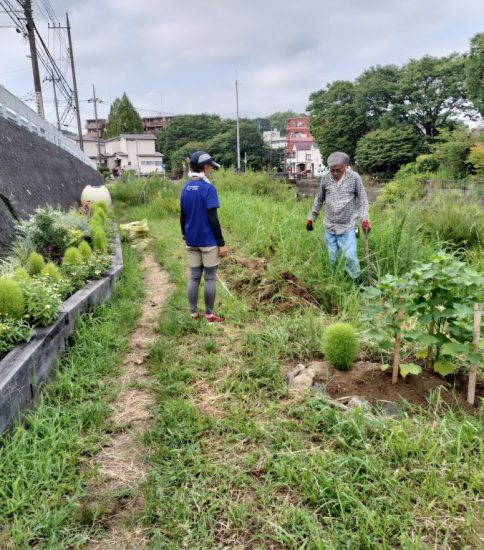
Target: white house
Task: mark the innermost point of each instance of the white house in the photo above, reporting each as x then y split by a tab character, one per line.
134	152
305	159
126	152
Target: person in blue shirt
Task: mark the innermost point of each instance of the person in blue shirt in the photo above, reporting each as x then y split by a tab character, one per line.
202	233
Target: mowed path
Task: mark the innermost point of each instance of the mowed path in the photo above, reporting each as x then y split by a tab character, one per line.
120	463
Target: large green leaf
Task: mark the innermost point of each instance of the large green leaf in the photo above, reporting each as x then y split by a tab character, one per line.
409	368
428	339
445	367
454	348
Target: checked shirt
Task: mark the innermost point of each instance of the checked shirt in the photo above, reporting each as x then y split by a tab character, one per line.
346	202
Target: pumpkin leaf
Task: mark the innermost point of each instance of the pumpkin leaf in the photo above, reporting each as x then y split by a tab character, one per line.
445	367
409	368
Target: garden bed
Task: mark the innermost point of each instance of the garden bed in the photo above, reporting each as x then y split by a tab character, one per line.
25	368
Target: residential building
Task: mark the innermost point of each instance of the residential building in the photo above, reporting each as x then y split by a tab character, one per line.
91	126
151	124
303	157
91	150
126	152
134	152
274	139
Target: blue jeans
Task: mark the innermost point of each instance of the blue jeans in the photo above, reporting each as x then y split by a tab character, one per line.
346	242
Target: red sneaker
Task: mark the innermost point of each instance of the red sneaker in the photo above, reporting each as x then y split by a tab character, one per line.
212	318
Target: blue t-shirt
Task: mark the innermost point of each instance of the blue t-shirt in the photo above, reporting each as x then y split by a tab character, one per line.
197	196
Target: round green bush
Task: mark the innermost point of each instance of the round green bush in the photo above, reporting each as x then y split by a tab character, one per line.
72	256
20	274
35	263
99	240
340	345
98	218
11	299
85	250
103	205
52	271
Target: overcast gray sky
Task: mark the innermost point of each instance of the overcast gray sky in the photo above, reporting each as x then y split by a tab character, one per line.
182	56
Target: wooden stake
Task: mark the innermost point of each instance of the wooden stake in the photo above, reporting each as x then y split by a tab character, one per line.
396	349
476	334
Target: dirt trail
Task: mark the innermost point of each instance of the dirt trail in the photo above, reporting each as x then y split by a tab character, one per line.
120	462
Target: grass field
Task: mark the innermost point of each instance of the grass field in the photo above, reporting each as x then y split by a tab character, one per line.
236	460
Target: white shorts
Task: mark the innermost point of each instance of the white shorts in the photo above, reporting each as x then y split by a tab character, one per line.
206	256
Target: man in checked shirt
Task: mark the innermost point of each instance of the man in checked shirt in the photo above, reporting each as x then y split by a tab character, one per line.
346	203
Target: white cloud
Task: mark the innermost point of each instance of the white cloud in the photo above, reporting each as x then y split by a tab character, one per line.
188	52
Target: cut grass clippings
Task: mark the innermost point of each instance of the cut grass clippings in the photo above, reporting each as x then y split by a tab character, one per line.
42	477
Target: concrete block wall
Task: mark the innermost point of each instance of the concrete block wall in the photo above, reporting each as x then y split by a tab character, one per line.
34	173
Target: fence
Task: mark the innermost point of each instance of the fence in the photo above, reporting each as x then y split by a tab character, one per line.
16	111
474	189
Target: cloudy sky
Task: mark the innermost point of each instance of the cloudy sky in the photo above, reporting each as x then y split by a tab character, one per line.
182	56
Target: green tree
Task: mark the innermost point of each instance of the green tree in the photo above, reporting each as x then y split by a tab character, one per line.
451	150
123	118
185	129
223	146
431	93
179	157
336	118
474	70
476	158
376	94
383	151
279	120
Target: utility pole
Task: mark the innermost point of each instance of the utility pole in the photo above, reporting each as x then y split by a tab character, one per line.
95	100
53	80
238	128
74	87
27	6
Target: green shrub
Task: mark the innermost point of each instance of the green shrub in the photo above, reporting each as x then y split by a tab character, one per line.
47	234
13	332
98	212
407	188
426	163
35	264
102	205
85	250
340	345
20	274
52	271
99	239
42	300
11	299
72	256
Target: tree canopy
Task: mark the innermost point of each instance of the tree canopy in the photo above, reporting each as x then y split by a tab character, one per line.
475	72
123	118
383	151
424	97
337	120
184	129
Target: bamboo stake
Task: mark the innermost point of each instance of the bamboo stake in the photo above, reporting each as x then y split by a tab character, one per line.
396	349
476	334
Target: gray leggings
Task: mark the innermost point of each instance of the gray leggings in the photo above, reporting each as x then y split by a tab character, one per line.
210	275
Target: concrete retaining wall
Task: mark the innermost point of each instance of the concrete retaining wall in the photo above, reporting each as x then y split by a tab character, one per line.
29	365
34	173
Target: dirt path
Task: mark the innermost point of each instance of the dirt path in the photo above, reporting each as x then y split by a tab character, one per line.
120	462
